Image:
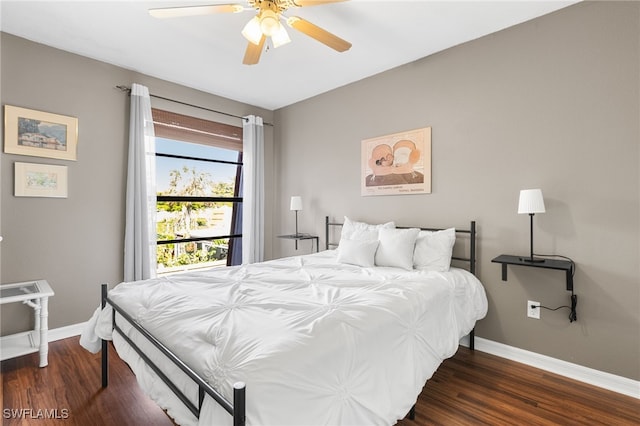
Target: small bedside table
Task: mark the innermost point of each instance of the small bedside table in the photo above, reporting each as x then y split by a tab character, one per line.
562	265
34	294
299	237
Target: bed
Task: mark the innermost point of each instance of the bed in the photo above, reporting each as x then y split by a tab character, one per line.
346	336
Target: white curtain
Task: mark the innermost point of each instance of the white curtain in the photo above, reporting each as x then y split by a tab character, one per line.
253	190
140	227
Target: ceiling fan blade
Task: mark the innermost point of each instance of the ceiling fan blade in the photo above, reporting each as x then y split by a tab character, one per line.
176	12
304	3
315	32
253	52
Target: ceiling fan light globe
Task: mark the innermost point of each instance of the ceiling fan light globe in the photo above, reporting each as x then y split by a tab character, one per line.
252	31
280	37
269	23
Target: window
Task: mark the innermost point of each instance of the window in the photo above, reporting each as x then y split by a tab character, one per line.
198	171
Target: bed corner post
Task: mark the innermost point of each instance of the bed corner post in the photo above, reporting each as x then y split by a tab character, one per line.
472	339
239	404
472	248
326	232
105	346
472	256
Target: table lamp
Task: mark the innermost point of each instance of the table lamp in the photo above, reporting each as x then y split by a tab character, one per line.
531	202
296	205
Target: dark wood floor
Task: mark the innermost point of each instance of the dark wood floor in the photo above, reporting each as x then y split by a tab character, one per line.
476	388
71	384
472	388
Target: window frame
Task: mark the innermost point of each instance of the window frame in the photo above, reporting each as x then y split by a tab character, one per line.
189	124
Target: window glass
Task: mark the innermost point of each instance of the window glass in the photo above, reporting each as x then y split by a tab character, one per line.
198	201
173	174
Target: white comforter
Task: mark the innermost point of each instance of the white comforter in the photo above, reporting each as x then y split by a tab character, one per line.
315	341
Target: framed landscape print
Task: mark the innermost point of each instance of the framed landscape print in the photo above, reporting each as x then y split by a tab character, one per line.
40	180
397	164
40	134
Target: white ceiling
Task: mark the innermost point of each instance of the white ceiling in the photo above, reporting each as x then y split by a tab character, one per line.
205	52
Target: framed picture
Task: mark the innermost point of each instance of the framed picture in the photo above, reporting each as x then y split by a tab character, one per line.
41	134
397	164
40	180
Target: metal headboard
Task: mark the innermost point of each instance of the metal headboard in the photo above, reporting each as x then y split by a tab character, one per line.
471	232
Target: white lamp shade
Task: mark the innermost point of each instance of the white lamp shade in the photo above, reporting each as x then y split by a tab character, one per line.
530	201
280	37
252	31
296	203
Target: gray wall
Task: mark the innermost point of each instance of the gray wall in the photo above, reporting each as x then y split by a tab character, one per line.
550	104
553	103
77	243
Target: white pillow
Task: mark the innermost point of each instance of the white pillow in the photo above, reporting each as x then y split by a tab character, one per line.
434	250
357	252
396	247
353	230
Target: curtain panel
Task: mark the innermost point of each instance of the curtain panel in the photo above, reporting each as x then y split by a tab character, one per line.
253	190
140	225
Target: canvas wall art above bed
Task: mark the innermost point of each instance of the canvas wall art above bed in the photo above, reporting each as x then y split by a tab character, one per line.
397	164
346	336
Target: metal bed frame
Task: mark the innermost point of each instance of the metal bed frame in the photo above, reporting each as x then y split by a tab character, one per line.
471	231
236	408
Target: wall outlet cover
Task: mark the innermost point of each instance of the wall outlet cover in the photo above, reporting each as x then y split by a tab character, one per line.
533	312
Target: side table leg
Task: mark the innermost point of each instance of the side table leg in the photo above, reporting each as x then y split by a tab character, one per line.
44	328
36	314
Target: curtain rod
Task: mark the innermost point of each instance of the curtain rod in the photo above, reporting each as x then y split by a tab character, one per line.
128	90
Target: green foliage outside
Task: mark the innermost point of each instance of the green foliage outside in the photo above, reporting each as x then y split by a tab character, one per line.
180	219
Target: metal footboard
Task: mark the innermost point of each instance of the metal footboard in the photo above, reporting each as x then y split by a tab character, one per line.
236	409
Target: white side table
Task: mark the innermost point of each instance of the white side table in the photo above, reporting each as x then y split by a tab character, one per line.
34	294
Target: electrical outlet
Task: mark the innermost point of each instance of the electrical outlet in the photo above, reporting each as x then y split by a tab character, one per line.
533	312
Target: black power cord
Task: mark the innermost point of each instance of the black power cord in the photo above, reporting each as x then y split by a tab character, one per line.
573	316
573	264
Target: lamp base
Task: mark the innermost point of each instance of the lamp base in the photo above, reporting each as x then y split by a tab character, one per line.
532	259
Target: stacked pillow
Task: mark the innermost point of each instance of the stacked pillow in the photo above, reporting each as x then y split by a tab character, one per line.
395	247
434	249
359	242
369	245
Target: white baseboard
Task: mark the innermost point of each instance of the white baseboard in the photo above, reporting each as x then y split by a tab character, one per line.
66	331
58	333
598	378
18	344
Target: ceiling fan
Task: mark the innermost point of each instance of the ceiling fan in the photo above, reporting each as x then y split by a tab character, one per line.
265	24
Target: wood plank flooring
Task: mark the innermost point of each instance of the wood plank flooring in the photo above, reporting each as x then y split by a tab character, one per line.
72	382
476	388
472	388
